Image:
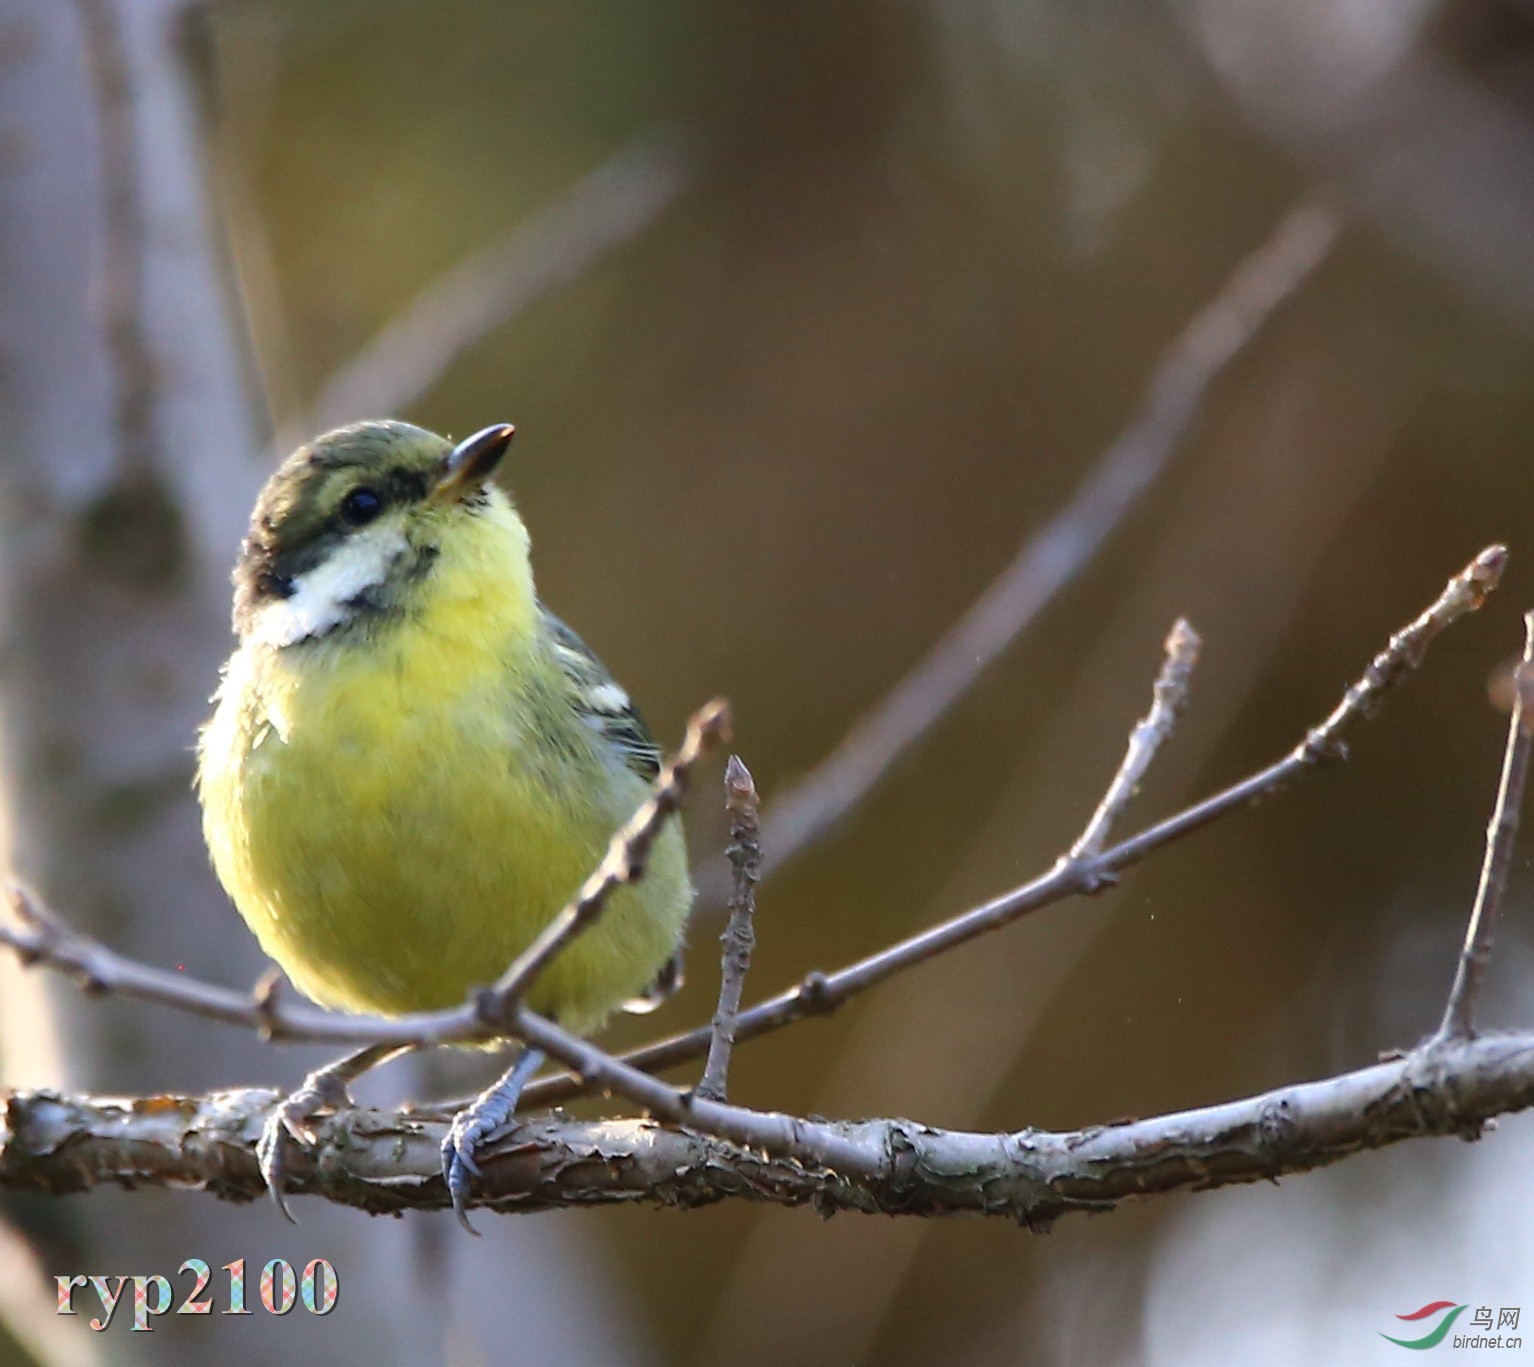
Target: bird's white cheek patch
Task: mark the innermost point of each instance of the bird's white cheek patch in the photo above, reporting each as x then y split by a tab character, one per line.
321	599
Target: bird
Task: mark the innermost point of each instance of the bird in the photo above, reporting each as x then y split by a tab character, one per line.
412	764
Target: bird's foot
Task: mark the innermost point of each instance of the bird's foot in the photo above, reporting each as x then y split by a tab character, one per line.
325	1089
292	1117
489	1113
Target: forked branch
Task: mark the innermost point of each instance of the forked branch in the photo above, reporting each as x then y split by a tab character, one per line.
1052	555
820	993
708	1148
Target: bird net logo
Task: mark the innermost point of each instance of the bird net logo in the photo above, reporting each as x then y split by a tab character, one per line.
1487	1328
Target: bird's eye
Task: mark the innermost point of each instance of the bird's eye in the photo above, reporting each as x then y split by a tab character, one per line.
361	506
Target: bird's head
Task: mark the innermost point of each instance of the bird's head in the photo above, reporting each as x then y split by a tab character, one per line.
355	522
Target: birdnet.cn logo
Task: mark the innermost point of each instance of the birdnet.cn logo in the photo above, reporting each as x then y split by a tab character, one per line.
1486	1328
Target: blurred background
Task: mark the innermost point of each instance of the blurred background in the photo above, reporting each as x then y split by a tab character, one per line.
809	316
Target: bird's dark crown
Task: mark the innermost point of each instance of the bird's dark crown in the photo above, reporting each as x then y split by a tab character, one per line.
299	518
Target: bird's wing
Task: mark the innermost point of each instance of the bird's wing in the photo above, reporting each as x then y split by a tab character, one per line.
606	708
601	702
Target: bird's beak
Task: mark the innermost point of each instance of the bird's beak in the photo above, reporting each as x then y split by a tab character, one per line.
471	463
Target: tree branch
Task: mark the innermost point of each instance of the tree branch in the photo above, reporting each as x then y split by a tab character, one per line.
820	993
1052	557
1501	838
739	938
387	1162
1168	698
42	937
606	208
1450	1085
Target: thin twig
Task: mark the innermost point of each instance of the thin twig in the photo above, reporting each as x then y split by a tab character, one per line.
1053	556
42	937
1168	698
608	207
783	1136
1501	839
820	993
882	1158
623	864
739	937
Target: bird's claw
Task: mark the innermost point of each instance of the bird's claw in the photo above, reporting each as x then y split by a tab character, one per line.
273	1166
490	1112
291	1118
469	1129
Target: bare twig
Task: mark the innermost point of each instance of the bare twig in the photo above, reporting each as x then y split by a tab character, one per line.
821	993
40	936
783	1136
1452	1084
1402	654
386	1161
739	937
623	864
1050	558
1501	838
1168	698
608	207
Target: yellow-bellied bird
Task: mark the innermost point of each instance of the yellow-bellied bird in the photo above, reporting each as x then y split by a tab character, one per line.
413	764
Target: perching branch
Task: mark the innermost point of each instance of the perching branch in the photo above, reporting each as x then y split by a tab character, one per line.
386	1162
1053	556
739	938
1451	1084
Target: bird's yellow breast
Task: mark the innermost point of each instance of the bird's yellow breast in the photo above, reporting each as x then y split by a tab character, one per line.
397	812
